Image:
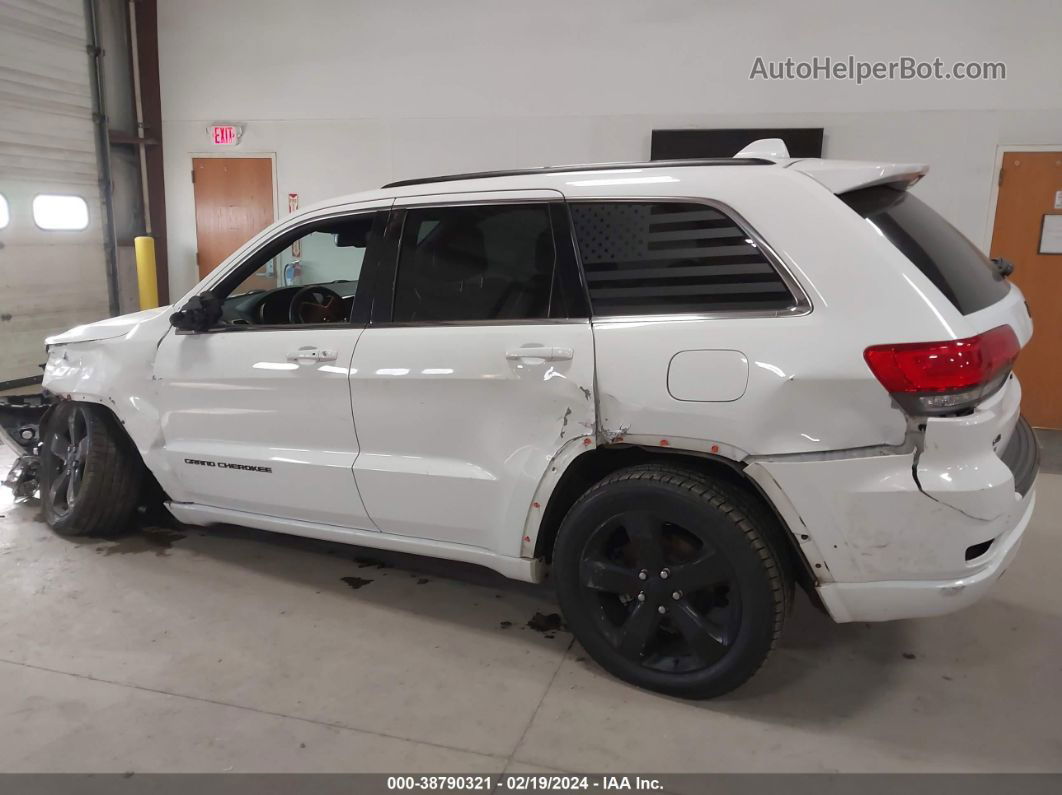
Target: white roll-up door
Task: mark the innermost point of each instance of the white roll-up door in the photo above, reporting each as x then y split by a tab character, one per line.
50	279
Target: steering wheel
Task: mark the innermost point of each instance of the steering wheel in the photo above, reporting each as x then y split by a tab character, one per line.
315	303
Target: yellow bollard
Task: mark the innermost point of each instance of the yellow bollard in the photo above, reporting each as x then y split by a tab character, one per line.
146	278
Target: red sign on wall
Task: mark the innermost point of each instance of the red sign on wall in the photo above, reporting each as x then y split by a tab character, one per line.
224	134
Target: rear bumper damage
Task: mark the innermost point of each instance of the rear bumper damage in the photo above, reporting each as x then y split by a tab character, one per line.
882	546
887	600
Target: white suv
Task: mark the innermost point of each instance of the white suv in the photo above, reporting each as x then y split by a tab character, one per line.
679	387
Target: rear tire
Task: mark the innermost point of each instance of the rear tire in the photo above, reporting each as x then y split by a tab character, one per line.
90	473
672	580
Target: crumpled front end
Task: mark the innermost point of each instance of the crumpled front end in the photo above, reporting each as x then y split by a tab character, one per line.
20	421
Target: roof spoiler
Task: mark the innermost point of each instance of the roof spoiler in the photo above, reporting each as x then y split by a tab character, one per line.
839	176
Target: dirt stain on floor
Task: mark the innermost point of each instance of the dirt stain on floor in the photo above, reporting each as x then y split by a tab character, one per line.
543	622
355	582
151	539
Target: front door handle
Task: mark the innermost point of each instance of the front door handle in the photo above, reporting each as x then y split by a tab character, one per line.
549	353
312	355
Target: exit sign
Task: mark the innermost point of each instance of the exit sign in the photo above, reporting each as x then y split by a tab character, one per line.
225	134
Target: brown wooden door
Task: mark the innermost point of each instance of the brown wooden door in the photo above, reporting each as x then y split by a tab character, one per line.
233	202
1030	185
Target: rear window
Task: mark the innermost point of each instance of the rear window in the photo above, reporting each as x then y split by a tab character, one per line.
955	265
652	258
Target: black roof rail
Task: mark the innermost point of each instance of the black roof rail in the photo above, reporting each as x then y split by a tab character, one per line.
516	172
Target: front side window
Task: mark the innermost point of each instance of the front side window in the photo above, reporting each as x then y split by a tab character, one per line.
58	212
307	277
475	263
654	258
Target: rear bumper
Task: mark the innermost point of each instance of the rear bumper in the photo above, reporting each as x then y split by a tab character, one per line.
887	600
883	546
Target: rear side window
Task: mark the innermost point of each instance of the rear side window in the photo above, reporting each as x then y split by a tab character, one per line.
477	262
651	258
954	264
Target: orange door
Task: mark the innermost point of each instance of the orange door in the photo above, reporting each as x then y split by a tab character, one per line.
1030	187
233	202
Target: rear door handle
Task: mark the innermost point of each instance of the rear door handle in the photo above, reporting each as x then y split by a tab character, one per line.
312	355
549	353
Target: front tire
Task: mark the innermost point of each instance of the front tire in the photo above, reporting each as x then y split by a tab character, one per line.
671	580
90	475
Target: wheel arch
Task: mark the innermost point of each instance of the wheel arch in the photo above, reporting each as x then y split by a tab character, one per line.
152	490
584	469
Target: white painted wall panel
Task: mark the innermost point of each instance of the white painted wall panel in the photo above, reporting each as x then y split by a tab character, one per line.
350	94
49	280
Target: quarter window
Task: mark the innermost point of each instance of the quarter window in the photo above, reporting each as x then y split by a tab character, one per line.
477	262
5	216
56	212
650	258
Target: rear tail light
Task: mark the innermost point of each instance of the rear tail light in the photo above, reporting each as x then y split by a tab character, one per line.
945	377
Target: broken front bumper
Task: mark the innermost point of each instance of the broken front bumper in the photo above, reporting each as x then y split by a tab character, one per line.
20	421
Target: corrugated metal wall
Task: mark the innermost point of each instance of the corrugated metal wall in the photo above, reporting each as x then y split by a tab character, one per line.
49	280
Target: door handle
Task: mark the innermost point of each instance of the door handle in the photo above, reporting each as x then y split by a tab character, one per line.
549	353
312	355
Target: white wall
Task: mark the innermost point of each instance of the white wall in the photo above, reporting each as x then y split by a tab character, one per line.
350	94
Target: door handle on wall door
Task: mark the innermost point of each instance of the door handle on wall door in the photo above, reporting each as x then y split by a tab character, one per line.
312	355
549	353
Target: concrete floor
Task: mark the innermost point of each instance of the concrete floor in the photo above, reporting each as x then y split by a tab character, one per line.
247	651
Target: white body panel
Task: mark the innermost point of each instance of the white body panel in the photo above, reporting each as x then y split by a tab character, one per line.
442	439
237	399
457	432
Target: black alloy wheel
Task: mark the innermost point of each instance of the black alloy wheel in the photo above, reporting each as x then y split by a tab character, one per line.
90	471
673	580
68	447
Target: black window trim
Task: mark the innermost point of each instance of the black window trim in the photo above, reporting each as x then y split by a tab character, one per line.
237	273
801	305
566	259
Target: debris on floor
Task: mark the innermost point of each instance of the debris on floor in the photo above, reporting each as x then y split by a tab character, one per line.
355	582
542	622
